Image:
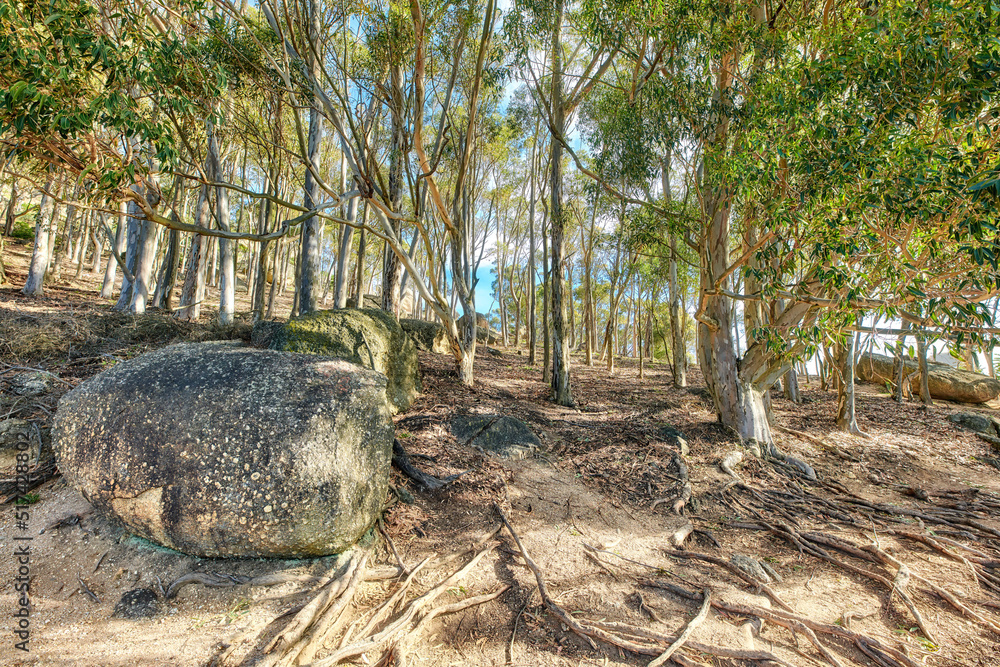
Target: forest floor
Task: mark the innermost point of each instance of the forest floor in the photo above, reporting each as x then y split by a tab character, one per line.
595	511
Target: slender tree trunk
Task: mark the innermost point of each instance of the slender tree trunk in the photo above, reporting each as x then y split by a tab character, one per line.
97	237
227	260
530	290
360	268
898	365
306	292
846	415
546	335
561	392
572	309
925	392
9	217
168	280
108	287
588	294
85	240
135	250
790	386
274	282
676	323
40	253
344	257
193	291
392	268
144	277
66	247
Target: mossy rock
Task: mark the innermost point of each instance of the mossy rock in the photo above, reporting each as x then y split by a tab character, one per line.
369	337
428	336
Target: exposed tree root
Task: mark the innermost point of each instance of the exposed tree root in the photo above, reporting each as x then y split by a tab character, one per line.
795	623
753	581
624	636
385	631
412	620
816	544
402	461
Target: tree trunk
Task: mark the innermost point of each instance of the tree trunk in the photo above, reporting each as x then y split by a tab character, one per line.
66	247
226	258
676	324
165	290
561	392
546	336
193	291
9	217
274	281
144	278
40	253
588	295
790	386
530	289
110	272
138	233
846	415
899	366
309	253
925	392
344	256
362	242
392	268
86	239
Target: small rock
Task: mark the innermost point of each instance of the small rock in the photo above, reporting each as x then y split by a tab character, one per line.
973	422
137	603
506	437
672	436
30	384
13	431
754	568
15	436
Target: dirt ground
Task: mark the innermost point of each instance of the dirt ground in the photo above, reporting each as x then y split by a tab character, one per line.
607	478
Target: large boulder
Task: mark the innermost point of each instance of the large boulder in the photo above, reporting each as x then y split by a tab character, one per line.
370	337
218	450
945	382
428	336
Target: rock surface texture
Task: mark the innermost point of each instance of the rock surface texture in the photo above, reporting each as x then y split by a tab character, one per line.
483	332
507	437
945	382
371	338
428	336
222	451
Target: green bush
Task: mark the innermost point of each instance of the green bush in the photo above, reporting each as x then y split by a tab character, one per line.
24	226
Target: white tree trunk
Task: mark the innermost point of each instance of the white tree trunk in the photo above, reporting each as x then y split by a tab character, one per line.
40	253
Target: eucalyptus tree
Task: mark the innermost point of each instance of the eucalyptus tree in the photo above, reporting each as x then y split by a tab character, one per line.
853	142
466	63
567	70
98	90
